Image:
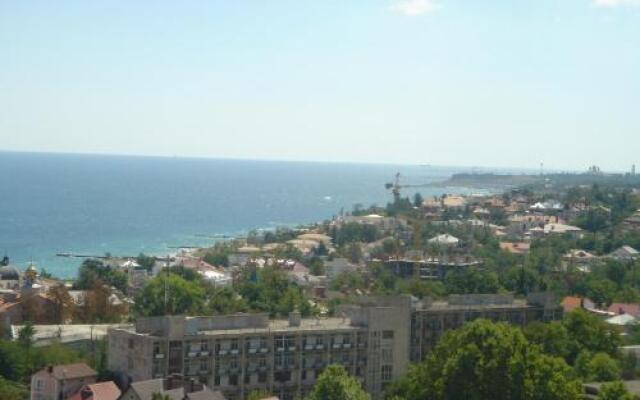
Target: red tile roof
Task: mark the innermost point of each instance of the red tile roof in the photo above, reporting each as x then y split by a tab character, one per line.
70	371
570	303
625	308
98	391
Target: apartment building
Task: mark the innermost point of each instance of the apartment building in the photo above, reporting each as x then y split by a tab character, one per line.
431	319
237	354
374	340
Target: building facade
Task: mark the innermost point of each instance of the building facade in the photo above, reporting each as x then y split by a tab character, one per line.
61	381
431	319
236	354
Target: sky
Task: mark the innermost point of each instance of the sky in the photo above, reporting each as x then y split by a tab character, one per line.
442	82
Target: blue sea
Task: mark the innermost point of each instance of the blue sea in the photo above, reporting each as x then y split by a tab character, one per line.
125	205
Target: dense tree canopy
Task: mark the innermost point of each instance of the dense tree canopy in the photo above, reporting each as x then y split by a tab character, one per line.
170	294
93	272
335	384
484	361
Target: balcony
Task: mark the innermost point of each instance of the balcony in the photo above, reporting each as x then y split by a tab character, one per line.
204	353
309	347
337	345
192	354
319	347
222	352
292	348
253	351
234	351
346	345
264	350
280	349
158	356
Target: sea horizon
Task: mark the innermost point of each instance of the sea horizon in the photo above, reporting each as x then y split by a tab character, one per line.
125	205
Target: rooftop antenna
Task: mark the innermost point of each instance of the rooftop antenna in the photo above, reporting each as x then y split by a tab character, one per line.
541	169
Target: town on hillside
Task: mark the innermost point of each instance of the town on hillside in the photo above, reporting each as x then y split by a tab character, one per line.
528	292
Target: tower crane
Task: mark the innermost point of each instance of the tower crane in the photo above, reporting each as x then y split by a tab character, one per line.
395	187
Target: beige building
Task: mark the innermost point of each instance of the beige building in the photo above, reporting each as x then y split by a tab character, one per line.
237	354
374	340
61	381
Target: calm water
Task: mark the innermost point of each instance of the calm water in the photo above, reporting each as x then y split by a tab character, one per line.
51	203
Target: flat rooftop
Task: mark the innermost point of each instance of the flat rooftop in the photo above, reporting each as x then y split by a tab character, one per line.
446	306
278	325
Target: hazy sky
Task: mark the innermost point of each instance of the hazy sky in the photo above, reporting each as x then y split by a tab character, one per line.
450	82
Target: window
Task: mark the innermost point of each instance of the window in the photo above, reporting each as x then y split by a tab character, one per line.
387	372
216	380
156	348
131	344
262	377
304	374
204	346
282	376
289	360
387	355
387	334
204	365
233	380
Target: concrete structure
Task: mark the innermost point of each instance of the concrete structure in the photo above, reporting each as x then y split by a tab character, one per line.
338	266
78	336
432	268
593	389
10	276
431	319
444	240
237	354
625	253
174	387
61	381
374	340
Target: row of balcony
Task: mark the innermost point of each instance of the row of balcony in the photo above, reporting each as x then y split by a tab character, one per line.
263	350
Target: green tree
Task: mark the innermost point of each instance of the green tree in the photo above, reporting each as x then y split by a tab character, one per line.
588	332
552	337
336	384
483	360
417	200
146	262
14	364
12	391
170	294
599	367
472	280
258	395
93	272
614	391
25	336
